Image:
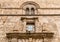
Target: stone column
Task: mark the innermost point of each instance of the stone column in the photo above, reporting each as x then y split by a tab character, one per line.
40	40
19	40
30	39
23	40
37	26
14	40
34	40
24	25
26	40
37	40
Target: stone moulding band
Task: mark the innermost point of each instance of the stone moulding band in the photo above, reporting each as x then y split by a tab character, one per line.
38	8
30	15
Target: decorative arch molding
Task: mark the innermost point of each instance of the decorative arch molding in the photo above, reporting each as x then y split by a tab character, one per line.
31	3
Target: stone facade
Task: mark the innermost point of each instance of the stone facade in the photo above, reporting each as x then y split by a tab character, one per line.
13	19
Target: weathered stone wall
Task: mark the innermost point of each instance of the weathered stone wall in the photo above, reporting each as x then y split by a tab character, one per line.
10	23
42	3
46	7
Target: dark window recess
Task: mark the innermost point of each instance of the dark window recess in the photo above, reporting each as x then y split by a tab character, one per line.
32	11
30	27
27	10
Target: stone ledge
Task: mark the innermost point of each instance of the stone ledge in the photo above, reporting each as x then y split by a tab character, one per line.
30	35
